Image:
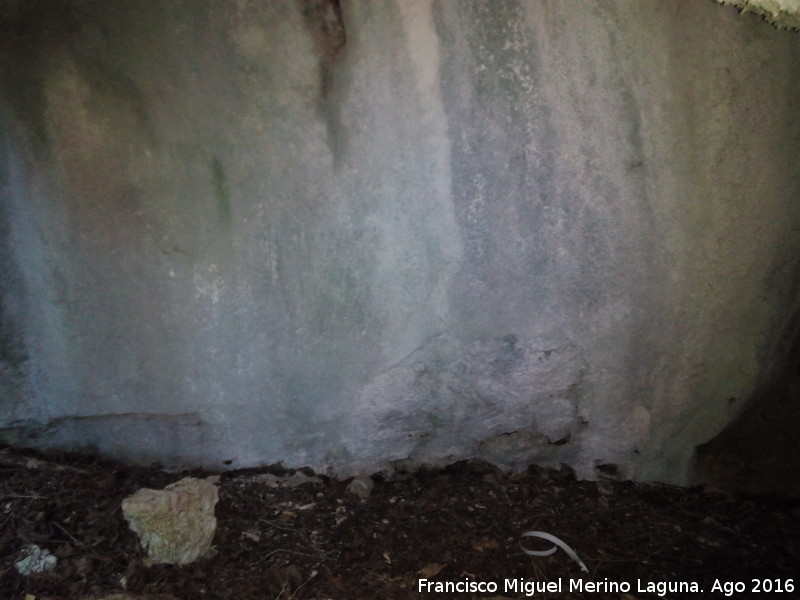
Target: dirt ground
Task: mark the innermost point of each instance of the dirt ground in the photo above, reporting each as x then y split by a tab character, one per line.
462	524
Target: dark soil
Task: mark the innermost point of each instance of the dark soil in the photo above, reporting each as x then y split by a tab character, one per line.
317	540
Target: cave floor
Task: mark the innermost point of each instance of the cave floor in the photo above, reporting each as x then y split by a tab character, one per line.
317	540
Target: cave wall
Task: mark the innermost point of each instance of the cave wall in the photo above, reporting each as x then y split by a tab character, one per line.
341	236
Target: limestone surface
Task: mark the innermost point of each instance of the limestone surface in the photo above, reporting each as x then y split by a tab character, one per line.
175	525
344	234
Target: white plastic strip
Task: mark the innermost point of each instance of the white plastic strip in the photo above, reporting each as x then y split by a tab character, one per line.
557	542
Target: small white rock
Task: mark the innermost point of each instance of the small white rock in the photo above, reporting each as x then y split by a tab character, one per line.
361	487
35	560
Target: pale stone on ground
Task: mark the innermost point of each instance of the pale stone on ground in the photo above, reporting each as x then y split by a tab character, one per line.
176	524
34	559
361	487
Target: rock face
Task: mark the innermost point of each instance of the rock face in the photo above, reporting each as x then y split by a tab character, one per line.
175	525
341	234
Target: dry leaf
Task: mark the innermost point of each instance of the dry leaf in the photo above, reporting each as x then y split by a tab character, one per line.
431	570
253	535
485	544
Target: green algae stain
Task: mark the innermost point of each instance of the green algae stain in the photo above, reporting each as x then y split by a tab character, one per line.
221	190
